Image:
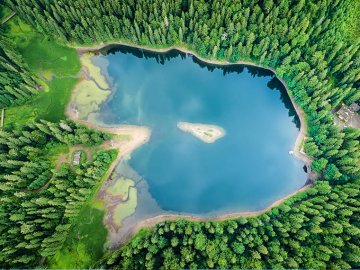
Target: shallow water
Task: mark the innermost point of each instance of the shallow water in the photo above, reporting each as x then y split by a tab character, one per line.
246	170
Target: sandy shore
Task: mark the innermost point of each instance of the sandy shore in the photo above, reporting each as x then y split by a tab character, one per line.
151	222
129	137
141	136
206	133
303	125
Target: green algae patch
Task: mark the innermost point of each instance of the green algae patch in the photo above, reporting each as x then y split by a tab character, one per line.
93	71
91	91
126	209
121	188
88	97
120	199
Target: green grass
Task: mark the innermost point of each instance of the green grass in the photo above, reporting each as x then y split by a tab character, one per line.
49	105
4	12
54	151
85	243
43	54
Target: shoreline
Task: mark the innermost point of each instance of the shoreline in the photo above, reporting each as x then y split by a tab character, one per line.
151	222
139	135
204	132
300	113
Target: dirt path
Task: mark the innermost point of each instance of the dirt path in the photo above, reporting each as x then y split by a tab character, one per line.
127	138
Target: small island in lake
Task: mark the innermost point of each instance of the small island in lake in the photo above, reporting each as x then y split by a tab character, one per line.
206	133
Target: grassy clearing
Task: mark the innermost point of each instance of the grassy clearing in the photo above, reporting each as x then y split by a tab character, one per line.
43	54
54	151
49	105
84	244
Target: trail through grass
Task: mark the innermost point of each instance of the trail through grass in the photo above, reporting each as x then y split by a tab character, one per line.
84	244
44	56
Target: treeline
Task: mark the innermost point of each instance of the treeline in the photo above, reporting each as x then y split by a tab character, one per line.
318	229
314	47
303	41
37	200
276	33
16	82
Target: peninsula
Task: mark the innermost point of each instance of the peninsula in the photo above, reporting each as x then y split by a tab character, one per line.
206	133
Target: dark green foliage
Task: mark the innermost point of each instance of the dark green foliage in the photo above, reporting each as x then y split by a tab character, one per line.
304	41
39	201
16	83
317	230
314	47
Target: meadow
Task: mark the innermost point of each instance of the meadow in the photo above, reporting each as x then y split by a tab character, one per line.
56	68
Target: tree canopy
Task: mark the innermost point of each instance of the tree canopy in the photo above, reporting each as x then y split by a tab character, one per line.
312	45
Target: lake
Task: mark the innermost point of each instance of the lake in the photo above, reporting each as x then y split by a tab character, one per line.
246	170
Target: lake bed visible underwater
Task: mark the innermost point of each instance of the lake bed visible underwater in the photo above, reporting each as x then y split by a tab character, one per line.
246	170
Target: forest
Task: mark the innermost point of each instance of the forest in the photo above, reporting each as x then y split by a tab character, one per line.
39	200
312	45
16	82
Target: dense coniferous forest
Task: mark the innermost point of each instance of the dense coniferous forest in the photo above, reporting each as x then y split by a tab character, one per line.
16	82
308	44
315	230
312	45
38	200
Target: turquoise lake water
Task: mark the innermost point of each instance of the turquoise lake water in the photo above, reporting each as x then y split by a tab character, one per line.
246	170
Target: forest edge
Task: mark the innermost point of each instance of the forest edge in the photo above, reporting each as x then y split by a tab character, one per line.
153	221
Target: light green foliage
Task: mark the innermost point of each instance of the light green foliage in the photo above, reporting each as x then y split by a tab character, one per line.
120	188
312	45
88	97
85	242
125	209
39	203
43	54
